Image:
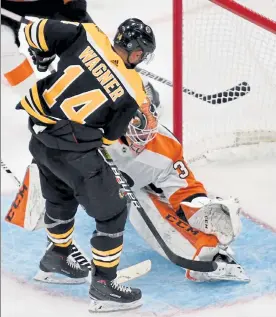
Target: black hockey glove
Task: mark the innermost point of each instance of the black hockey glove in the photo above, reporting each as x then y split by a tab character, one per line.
42	60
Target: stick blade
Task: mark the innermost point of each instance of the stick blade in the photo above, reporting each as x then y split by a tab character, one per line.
134	271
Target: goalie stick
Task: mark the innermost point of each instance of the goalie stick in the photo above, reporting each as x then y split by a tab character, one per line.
228	95
201	266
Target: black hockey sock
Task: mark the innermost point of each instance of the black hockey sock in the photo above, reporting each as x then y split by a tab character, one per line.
60	234
106	250
107	245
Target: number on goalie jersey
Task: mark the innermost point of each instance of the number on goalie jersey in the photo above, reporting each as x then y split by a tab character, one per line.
92	85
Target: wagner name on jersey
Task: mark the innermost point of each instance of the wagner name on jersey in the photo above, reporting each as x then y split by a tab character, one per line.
92	87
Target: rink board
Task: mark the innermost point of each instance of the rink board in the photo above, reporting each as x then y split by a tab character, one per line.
164	288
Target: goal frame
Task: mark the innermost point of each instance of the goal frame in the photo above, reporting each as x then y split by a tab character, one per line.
178	16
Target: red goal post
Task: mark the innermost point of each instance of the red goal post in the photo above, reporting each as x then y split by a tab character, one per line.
215	17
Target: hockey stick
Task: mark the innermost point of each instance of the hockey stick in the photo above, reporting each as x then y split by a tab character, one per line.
201	266
228	95
14	16
10	173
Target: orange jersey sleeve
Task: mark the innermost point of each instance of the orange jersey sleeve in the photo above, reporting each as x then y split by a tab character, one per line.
177	181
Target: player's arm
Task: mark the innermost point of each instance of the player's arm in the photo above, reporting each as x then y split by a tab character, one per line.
188	198
120	119
51	36
73	10
176	179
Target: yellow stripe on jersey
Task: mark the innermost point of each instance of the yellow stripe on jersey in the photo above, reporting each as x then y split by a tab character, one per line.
108	252
34	114
106	264
27	31
108	142
36	99
130	79
41	36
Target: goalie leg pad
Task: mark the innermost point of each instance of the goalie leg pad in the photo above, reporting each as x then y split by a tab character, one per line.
28	208
179	236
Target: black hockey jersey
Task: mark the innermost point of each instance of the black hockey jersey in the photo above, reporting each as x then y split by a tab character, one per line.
92	86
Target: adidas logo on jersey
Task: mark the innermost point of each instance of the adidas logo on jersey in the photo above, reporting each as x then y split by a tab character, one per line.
115	62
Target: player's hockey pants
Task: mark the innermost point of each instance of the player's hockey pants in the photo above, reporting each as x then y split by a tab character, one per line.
72	178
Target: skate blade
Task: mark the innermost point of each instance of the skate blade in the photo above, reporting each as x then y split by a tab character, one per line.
100	306
55	278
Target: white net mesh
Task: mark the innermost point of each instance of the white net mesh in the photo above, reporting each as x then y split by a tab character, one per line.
220	51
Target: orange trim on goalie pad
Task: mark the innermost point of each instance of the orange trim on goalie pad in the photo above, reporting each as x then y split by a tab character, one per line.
20	73
197	238
16	214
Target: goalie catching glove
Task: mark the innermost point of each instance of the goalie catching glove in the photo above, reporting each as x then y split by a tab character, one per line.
214	216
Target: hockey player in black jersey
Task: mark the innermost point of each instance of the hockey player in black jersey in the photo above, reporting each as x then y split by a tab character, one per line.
86	104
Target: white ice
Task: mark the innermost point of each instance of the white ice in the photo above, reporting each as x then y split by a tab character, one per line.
253	180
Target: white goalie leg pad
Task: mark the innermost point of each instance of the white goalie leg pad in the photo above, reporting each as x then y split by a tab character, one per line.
173	238
28	207
218	217
35	208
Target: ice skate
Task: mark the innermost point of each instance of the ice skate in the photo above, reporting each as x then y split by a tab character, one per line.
62	267
108	296
228	270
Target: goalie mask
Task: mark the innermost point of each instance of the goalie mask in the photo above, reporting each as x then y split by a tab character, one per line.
142	128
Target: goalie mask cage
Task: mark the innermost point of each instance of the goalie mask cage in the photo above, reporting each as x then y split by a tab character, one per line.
224	51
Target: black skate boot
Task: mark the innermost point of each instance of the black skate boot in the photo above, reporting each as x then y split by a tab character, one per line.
107	296
59	266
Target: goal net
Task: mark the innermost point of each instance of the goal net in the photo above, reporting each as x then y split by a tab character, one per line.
227	53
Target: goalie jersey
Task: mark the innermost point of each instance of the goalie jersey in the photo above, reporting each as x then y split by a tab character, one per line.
91	88
160	165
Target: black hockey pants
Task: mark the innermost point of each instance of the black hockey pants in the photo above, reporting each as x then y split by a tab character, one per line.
72	178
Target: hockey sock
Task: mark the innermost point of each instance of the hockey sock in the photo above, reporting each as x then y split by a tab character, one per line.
107	245
60	234
106	250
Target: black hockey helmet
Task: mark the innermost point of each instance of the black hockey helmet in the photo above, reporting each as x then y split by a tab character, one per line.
134	34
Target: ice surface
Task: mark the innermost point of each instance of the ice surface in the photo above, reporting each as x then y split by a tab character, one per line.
252	178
